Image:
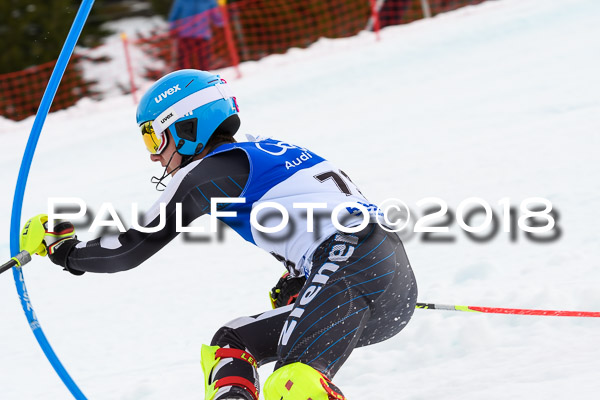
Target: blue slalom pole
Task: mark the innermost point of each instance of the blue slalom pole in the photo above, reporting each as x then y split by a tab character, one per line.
15	221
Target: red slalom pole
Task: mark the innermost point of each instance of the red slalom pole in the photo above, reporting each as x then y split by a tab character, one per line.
375	17
514	311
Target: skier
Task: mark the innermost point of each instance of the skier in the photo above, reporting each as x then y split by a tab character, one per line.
356	286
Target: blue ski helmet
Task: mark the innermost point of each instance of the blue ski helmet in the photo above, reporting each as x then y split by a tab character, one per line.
191	105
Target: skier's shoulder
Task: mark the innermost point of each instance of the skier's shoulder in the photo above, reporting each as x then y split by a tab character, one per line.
230	167
224	162
267	144
267	147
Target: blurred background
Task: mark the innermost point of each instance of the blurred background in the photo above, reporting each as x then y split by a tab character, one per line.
127	43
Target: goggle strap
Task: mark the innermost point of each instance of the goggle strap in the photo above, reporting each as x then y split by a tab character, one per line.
190	103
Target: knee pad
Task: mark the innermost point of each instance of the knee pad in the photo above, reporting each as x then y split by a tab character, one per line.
299	381
213	359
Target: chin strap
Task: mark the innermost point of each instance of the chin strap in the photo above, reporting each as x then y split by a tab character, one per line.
185	160
160	186
158	181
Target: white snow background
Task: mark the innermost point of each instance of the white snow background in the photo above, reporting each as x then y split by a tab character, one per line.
497	100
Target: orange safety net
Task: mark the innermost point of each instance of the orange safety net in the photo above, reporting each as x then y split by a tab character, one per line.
242	30
21	92
197	41
249	30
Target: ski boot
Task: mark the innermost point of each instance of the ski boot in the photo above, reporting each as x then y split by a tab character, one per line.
299	381
224	370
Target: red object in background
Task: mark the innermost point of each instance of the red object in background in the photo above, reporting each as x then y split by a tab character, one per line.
250	30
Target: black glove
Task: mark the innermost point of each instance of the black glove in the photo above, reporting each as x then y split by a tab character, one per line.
60	243
286	290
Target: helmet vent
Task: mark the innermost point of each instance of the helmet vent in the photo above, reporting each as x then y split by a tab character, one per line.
187	129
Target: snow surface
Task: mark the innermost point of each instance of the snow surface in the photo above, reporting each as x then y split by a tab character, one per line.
498	100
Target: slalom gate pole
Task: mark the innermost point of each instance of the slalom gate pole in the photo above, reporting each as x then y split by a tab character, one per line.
15	222
514	311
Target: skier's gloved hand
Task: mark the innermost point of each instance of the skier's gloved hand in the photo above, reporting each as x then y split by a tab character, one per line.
60	242
286	290
57	244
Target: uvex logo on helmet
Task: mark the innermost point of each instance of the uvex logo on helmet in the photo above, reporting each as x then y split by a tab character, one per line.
166	93
166	118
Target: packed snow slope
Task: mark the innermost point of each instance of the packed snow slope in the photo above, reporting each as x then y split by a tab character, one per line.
493	101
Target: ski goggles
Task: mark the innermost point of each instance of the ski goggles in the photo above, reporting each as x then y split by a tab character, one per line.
154	132
154	143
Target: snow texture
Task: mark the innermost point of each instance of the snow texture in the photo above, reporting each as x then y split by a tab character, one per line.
496	100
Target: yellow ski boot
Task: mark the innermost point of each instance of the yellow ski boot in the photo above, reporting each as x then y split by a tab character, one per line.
227	387
299	381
